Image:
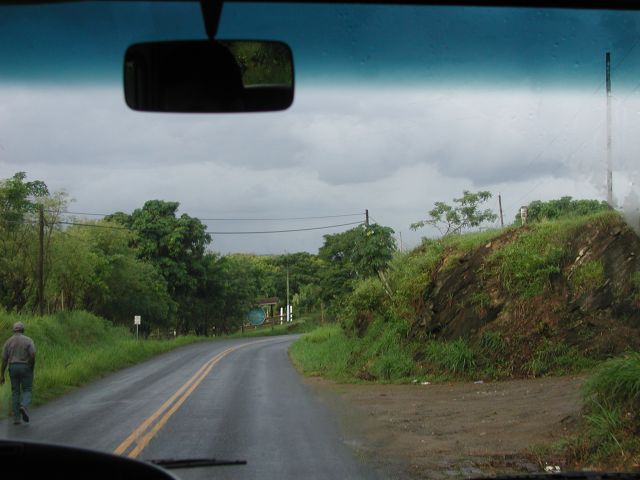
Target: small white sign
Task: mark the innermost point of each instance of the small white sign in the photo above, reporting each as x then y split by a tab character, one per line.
136	320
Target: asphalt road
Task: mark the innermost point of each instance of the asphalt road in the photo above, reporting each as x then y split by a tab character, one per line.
231	399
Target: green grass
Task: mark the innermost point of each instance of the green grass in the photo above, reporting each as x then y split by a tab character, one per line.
556	358
525	264
454	358
326	351
470	241
608	438
75	348
589	275
616	382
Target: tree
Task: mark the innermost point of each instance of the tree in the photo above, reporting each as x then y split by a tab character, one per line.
122	285
241	285
303	268
356	253
464	214
174	245
373	251
19	198
19	204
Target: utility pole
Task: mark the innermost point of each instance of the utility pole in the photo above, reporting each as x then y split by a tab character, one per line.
288	308
609	159
41	260
401	250
500	205
366	218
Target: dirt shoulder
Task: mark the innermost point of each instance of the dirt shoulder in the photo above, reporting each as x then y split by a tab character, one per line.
458	430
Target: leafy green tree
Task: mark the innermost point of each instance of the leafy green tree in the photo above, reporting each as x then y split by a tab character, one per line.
175	245
373	249
357	253
303	267
20	201
240	280
123	285
71	271
465	213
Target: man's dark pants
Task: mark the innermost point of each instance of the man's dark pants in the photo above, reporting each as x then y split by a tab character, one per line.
21	377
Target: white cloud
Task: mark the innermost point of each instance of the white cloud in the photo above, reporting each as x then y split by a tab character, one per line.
335	151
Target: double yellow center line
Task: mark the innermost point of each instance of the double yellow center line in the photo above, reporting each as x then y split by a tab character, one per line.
142	435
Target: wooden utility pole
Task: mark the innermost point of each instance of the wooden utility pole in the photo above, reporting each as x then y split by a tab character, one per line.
288	307
500	205
41	260
609	142
366	218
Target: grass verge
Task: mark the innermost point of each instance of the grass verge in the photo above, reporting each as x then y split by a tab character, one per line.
74	348
611	415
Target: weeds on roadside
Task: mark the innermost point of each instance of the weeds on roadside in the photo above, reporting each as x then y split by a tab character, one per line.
74	348
608	437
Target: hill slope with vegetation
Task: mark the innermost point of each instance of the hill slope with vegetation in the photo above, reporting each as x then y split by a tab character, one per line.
550	297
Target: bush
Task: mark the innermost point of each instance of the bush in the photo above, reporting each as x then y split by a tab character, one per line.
366	300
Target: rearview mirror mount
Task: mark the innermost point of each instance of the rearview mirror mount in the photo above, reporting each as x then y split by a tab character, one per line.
209	76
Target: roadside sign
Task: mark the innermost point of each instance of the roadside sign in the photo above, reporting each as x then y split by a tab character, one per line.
136	320
256	316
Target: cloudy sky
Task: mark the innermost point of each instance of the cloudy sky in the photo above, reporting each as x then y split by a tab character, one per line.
441	101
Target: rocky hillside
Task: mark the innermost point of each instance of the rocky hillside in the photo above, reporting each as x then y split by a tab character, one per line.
576	283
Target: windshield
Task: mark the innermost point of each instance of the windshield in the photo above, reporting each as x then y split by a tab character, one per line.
442	132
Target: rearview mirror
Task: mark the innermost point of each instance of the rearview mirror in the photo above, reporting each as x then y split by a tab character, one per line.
206	76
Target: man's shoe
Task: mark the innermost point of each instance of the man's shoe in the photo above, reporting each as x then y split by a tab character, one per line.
17	422
25	414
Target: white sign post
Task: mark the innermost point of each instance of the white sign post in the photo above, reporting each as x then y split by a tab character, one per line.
136	321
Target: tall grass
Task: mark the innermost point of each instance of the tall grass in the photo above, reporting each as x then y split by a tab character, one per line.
74	348
326	351
609	437
451	357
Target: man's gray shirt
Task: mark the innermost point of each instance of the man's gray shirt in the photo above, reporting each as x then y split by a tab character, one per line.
18	349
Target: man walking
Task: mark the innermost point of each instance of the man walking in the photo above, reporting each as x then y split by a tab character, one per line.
19	353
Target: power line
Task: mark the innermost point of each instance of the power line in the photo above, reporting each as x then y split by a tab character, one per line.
278	219
83	213
318	217
91	225
112	227
285	231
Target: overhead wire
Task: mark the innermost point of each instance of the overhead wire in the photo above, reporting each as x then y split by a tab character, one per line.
286	231
113	227
242	232
238	219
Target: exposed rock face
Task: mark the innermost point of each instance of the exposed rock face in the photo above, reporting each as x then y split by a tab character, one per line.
601	319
